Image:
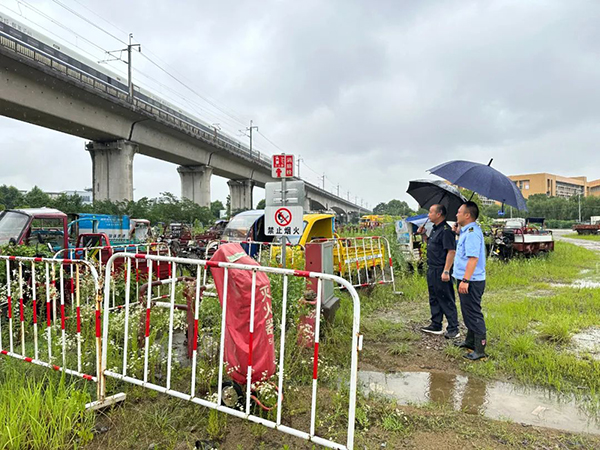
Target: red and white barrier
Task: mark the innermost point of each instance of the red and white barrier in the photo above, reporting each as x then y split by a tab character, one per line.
142	377
61	315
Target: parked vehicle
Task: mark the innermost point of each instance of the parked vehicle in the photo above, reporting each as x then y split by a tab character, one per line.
349	254
588	228
522	236
120	229
49	227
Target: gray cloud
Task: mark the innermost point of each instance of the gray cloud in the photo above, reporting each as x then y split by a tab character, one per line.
371	93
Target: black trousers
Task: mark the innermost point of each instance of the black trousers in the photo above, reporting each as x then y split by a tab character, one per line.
470	306
442	301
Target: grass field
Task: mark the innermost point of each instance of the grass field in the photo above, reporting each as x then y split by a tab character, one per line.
586	237
531	311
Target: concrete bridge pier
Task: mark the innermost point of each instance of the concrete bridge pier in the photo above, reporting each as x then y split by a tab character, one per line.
195	183
240	194
112	169
306	205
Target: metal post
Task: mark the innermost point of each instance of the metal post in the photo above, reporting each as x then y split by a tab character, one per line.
130	66
129	79
283	238
250	128
579	202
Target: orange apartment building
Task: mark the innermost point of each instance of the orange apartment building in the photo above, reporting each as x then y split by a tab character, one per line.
555	185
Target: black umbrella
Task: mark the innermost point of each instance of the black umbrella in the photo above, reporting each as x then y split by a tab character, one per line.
483	179
431	192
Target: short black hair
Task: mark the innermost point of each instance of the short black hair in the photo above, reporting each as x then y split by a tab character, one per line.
441	209
472	209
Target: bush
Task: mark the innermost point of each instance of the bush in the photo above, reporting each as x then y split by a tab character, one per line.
560	224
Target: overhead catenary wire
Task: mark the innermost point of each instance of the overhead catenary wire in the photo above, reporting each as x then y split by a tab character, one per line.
62	38
56	22
230	118
88	21
101	18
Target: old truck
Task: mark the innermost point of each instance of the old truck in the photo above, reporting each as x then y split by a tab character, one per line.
119	229
588	228
521	236
363	260
48	230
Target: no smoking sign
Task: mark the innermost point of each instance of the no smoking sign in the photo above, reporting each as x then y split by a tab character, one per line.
283	221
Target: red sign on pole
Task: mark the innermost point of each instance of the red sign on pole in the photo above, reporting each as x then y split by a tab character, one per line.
283	166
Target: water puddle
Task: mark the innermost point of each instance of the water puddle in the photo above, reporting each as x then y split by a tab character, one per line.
588	342
495	399
579	284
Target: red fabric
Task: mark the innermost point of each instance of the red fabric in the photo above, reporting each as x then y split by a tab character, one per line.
237	329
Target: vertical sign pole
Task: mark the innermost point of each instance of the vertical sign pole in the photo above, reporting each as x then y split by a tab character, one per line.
284	204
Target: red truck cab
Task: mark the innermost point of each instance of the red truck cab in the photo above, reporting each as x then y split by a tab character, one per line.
34	225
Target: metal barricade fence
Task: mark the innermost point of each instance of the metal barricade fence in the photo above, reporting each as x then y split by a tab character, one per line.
126	360
70	290
98	256
365	261
264	252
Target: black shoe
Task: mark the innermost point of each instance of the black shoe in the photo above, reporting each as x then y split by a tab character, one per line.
469	341
432	329
452	334
479	351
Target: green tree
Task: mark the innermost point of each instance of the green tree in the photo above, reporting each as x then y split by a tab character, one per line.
261	204
36	198
10	197
216	207
394	208
70	204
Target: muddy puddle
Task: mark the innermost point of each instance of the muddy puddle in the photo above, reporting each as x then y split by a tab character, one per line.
493	399
588	342
579	284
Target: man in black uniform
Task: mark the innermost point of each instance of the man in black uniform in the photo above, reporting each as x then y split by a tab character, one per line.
441	249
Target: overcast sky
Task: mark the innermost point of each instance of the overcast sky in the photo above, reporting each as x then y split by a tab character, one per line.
372	93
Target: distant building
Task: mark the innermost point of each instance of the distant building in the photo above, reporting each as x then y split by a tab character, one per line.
86	195
555	185
487	201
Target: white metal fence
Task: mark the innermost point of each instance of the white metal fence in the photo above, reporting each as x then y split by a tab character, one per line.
51	314
129	360
363	261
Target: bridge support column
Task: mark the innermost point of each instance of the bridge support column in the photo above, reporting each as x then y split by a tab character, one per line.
306	205
112	169
241	194
195	183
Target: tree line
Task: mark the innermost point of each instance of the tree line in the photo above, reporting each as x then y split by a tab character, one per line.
167	208
539	205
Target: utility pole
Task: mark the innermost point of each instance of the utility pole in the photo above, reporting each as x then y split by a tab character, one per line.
130	66
129	49
338	189
323	178
217	128
250	128
298	165
579	202
348	195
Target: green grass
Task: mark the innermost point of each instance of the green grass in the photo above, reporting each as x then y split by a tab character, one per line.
561	266
41	411
587	237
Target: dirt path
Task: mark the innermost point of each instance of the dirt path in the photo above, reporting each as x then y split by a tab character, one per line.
559	235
